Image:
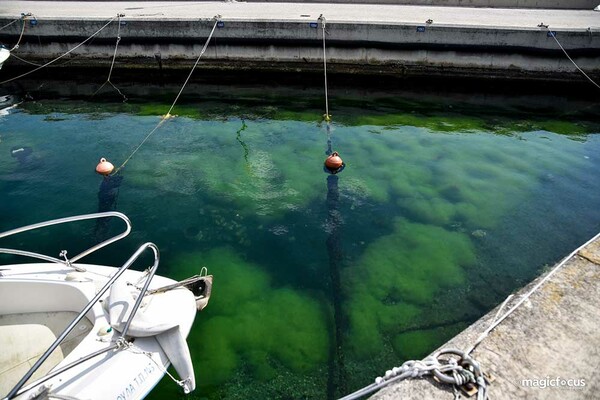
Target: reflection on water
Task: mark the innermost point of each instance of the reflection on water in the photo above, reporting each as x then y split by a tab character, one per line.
321	281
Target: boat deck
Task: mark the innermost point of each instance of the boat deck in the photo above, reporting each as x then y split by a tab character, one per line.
26	336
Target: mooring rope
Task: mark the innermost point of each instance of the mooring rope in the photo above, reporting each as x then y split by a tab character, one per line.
327	117
553	34
532	291
113	61
10	23
449	372
25	61
168	114
129	346
16	46
61	56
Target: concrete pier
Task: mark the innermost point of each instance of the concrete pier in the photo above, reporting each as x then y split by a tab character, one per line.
400	40
548	348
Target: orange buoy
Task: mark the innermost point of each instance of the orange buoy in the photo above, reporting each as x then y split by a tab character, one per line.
334	161
104	167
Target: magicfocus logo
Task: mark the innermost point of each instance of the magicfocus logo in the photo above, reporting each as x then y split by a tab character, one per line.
555	383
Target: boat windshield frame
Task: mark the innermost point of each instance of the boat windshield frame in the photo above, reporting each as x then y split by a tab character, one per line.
66	261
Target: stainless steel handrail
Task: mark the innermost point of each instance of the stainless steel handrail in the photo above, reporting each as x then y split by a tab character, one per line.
16	390
79	256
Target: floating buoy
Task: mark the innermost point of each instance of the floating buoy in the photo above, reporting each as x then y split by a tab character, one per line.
104	167
334	162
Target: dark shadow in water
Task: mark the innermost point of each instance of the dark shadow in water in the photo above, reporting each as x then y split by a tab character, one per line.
336	383
108	194
21	154
27	163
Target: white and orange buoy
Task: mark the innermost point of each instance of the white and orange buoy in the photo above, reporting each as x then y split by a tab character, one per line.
334	162
104	167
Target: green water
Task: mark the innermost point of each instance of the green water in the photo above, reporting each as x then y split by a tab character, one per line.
446	205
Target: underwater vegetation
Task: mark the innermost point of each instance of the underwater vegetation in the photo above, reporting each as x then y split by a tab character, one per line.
236	184
398	274
252	325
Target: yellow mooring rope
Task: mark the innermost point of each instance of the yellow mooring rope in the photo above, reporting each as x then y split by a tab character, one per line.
326	117
168	114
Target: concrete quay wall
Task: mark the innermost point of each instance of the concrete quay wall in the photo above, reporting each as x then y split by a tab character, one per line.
544	4
395	45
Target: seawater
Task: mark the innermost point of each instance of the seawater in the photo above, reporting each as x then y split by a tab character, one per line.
322	282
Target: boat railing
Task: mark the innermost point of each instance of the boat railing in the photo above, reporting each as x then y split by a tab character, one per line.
66	261
19	387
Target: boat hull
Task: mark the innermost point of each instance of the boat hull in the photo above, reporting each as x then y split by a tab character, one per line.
129	371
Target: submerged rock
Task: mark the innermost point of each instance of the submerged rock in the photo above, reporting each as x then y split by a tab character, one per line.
479	233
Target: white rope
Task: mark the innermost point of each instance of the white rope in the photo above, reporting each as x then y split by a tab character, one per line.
532	291
59	57
570	59
448	372
113	62
195	65
323	23
168	114
16	46
485	333
136	350
25	61
9	24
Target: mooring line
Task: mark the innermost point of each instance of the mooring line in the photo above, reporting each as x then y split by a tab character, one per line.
113	61
168	114
16	46
59	57
553	34
25	61
327	117
10	23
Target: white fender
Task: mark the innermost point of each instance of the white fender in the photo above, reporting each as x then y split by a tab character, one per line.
149	320
175	347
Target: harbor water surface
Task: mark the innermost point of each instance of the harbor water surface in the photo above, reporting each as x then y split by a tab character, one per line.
322	282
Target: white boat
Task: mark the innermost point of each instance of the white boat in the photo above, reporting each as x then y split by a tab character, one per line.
73	330
4	54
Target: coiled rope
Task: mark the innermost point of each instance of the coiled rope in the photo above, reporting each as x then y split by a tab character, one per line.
61	56
448	371
25	61
119	16
553	34
168	114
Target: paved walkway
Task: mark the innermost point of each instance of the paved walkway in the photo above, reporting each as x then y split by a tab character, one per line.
353	13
